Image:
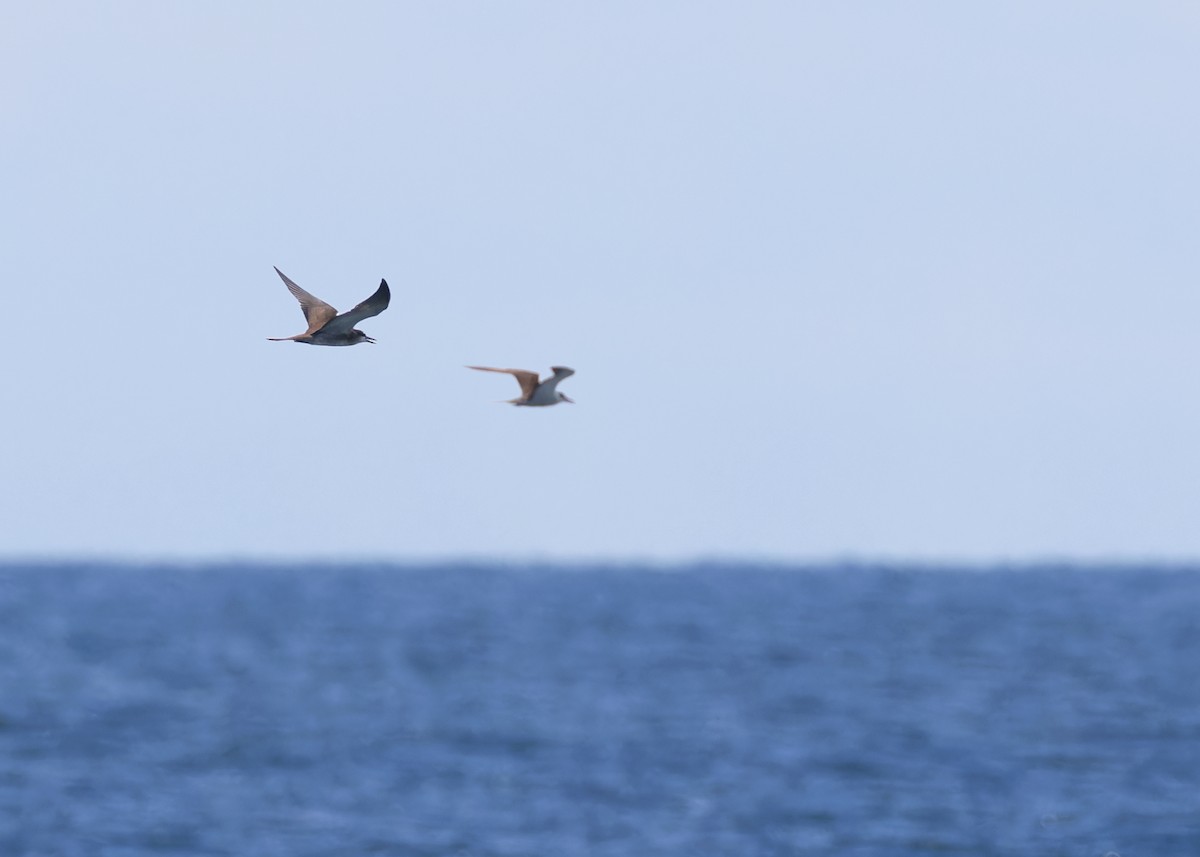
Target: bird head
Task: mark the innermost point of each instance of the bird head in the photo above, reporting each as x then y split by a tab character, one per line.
358	336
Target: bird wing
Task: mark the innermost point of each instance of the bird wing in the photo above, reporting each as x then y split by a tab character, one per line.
373	305
316	312
560	373
527	380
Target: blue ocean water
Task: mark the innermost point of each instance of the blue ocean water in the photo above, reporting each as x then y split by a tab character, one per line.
628	712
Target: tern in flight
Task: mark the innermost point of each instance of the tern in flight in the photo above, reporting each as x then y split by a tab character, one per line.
535	393
325	325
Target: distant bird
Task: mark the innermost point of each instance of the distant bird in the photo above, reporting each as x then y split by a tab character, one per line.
325	325
534	393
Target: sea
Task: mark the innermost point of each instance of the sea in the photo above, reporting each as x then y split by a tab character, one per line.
610	711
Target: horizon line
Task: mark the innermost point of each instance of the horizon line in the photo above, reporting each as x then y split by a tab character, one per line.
847	561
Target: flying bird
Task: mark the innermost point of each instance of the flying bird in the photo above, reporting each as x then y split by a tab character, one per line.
326	326
535	393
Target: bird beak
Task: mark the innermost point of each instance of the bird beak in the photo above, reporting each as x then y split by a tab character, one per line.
369	339
568	401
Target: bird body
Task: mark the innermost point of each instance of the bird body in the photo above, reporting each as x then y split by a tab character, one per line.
535	393
326	326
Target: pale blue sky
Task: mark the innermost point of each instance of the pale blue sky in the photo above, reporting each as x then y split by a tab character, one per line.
896	280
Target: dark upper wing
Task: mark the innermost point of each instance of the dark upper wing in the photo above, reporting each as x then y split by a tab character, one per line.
527	380
373	305
316	311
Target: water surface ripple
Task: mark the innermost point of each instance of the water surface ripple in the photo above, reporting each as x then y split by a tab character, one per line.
288	712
